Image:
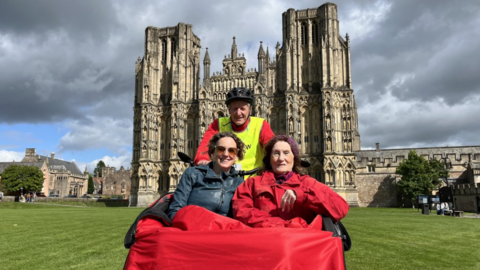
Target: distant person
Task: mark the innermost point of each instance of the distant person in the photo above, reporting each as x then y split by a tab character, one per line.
253	131
28	197
34	197
1	196
447	207
440	209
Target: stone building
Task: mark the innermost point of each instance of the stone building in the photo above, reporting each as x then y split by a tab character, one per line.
376	178
113	182
61	177
303	88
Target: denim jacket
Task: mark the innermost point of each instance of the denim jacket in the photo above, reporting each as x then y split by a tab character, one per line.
201	186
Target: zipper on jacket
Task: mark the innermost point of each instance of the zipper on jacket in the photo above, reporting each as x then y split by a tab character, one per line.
221	197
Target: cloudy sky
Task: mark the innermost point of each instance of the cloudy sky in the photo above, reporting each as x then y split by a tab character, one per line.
67	68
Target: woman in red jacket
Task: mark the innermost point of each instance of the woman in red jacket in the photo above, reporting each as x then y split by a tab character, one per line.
283	195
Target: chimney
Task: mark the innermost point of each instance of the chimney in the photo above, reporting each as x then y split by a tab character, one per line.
30	152
377	146
52	155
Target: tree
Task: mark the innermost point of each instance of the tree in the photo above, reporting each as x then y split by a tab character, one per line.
91	187
98	169
15	177
419	176
3	188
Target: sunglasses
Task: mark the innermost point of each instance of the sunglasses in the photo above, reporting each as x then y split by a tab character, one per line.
231	151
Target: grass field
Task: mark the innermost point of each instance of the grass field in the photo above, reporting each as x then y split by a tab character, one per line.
35	236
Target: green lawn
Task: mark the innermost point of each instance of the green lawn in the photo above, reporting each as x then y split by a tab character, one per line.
34	236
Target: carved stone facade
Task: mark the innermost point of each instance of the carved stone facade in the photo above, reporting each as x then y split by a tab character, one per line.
304	91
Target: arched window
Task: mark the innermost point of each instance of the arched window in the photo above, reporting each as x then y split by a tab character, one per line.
174	48
304	34
314	33
164	50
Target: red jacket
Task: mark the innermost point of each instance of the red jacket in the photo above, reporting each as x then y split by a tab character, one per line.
202	151
257	201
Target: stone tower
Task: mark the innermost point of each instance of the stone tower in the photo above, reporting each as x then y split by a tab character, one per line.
167	84
305	91
315	96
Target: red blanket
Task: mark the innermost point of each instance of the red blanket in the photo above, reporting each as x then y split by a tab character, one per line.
200	239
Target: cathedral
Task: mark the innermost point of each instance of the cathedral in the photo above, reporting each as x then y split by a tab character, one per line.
303	89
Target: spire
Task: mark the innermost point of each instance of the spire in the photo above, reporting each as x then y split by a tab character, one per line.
261	59
206	60
86	170
261	52
268	56
206	66
234	49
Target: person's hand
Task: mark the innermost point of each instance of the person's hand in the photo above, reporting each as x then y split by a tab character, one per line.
202	162
288	200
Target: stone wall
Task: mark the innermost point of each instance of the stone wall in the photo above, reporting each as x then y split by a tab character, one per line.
467	197
377	190
8	198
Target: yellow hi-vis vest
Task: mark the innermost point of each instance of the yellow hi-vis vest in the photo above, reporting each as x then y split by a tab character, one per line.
251	138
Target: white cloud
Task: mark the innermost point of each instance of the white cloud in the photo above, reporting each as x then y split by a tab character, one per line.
363	20
111	161
9	156
102	132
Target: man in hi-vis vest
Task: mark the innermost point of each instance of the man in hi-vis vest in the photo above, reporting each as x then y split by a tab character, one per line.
253	131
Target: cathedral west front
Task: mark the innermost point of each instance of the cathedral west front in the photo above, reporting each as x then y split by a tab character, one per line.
302	87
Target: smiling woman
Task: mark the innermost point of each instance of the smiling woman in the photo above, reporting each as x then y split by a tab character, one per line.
211	186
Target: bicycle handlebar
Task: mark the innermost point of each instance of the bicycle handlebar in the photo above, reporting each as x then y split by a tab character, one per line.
243	173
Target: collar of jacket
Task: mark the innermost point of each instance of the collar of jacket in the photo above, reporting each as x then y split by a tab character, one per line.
241	127
209	173
268	178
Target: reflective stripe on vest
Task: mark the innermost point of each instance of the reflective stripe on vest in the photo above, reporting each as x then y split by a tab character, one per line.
250	137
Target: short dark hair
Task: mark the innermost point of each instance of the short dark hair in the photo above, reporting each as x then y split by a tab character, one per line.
214	140
297	167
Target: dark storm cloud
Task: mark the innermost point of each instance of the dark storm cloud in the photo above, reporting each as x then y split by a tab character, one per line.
426	39
57	59
81	18
74	62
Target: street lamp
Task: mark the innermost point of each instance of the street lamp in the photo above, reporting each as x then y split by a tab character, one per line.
21	191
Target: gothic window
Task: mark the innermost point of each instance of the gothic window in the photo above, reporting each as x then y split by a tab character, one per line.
164	50
315	33
371	168
174	48
304	34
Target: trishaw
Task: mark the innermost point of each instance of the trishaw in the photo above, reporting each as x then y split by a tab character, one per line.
155	244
